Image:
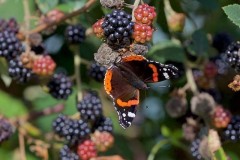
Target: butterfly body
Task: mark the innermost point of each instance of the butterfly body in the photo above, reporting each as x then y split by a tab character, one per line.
124	79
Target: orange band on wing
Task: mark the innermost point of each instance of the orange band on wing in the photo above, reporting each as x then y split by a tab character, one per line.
107	81
128	103
155	72
133	58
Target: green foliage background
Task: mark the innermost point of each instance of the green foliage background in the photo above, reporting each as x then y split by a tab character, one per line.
154	124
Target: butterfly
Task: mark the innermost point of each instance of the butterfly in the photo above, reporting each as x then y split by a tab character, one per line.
124	80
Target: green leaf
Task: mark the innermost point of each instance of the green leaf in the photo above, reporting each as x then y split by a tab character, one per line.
46	5
167	50
209	4
232	11
200	42
10	106
220	155
71	6
165	131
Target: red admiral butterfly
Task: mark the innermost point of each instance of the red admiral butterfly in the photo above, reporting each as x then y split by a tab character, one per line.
124	79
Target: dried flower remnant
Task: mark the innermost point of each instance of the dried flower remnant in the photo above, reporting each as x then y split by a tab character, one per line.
235	84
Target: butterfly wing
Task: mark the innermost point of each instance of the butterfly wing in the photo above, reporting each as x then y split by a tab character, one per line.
148	71
125	96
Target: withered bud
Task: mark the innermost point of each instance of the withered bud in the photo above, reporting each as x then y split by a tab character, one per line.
176	21
204	148
177	104
235	84
214	142
202	105
112	3
190	129
105	55
35	39
139	49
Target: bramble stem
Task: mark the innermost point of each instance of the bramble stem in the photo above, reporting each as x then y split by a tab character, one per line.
156	148
77	62
191	80
135	5
70	15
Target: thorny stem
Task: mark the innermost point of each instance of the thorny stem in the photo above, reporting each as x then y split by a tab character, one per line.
135	5
191	81
156	148
77	62
27	17
21	145
70	15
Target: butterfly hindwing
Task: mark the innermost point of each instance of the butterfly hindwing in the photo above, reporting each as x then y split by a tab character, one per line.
125	96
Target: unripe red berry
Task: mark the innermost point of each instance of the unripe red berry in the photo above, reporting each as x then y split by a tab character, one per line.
210	70
87	150
221	117
145	14
142	33
97	28
44	65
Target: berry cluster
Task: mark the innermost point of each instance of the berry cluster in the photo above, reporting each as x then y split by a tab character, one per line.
117	28
77	132
144	15
142	33
194	148
75	34
10	46
90	107
67	154
6	129
233	55
232	131
221	117
97	72
18	72
60	86
9	25
97	28
44	65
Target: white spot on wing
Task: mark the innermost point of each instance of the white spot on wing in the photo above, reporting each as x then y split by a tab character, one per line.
166	75
130	114
124	114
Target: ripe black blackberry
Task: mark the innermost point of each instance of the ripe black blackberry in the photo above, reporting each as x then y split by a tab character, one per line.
118	28
75	34
232	132
194	148
66	154
18	72
75	130
233	55
103	124
90	107
59	123
221	41
97	72
6	129
60	86
10	46
9	25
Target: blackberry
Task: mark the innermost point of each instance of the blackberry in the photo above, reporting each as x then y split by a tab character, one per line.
118	28
233	55
90	107
59	123
232	132
97	72
221	41
60	86
75	130
75	34
18	72
6	129
194	148
9	25
103	124
66	154
10	46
